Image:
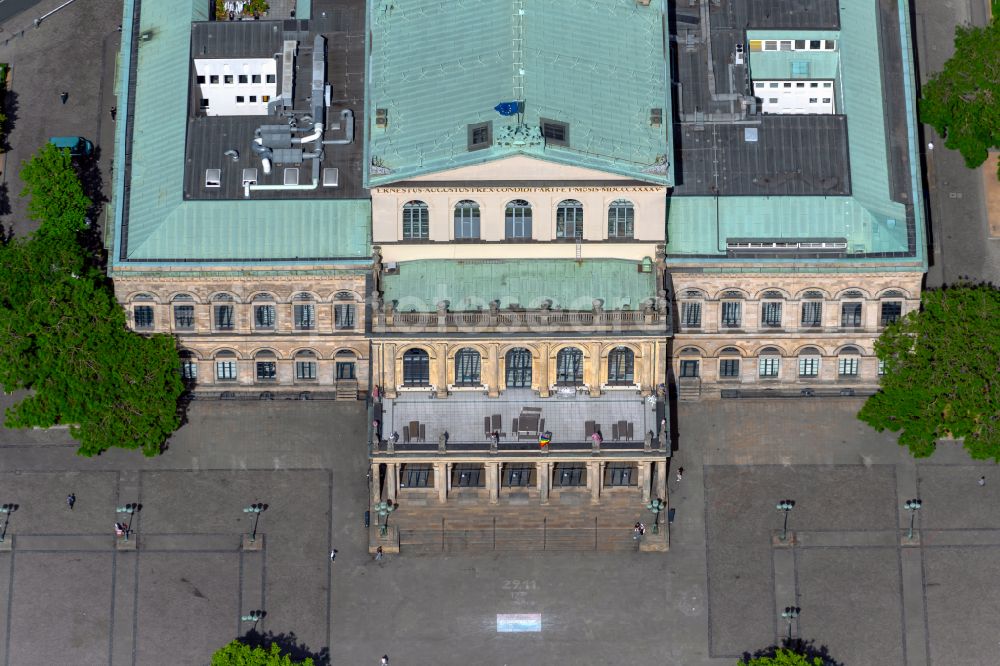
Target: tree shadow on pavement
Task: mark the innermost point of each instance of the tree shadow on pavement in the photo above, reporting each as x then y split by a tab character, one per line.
289	644
809	649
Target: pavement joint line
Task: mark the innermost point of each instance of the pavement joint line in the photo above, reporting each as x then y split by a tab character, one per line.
10	606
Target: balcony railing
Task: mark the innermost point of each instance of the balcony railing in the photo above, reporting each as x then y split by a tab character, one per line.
648	319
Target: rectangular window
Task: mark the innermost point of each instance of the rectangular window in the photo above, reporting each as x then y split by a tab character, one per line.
830	44
847	366
808	366
189	369
770	45
184	317
255	78
569	222
814	84
800	45
620	474
345	370
305	369
214	78
416	476
263	316
253	99
813	100
143	315
227	78
729	368
243	78
225	371
467	475
555	132
480	135
267	371
343	316
467	369
265	98
850	315
769	366
224	319
891	311
518	476
203	103
881	367
689	368
826	100
416	370
416	222
731	314
240	99
305	316
568	475
815	45
201	79
772	100
691	315
270	78
770	314
812	313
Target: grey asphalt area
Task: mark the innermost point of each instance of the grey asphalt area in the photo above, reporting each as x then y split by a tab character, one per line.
717	593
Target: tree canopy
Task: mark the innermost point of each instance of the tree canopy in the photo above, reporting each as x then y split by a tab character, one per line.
241	654
942	373
63	336
782	657
962	101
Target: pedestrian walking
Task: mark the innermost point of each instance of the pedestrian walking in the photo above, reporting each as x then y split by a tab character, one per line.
982	481
642	529
70	500
637	531
114	112
64	96
378	553
333	554
119	529
680	473
385	660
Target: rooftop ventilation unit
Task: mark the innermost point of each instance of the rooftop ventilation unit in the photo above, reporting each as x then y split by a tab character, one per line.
291	176
331	177
750	134
250	176
382	118
288	72
213	178
656	117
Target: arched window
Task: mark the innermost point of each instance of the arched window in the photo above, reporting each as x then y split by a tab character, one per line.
264	315
466	220
732	309
305	366
569	219
467	367
416	368
189	367
729	364
225	366
850	310
770	309
518	368
345	367
569	367
223	313
517	220
621	219
848	361
769	362
812	309
621	366
266	365
304	312
809	359
416	221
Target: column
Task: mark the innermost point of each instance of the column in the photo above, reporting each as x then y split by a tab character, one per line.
594	480
645	479
594	374
391	481
661	479
493	481
441	480
376	484
543	371
388	370
544	474
493	378
442	369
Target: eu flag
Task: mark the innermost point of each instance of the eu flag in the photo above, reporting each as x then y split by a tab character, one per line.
508	108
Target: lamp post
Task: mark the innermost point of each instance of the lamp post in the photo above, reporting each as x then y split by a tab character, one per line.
6	509
254	616
785	506
384	508
912	505
256	510
790	613
656	506
130	510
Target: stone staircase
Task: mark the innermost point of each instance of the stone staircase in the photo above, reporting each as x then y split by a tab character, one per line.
347	389
689	388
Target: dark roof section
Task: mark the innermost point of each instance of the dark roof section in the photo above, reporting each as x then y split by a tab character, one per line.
813	14
791	155
342	23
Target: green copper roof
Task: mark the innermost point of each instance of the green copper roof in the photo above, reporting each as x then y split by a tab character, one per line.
161	225
467	285
438	66
869	219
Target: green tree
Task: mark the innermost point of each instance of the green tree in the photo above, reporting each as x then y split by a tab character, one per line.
962	101
63	336
241	654
942	373
782	657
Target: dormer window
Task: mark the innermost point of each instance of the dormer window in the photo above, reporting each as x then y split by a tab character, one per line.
556	133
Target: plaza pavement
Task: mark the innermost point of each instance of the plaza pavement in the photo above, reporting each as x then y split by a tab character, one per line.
72	598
